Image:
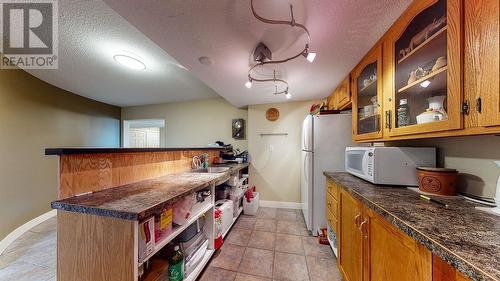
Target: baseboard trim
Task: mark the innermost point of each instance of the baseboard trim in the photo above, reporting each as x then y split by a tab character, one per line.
279	204
11	237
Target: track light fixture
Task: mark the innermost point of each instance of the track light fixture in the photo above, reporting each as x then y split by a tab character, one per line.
263	55
305	52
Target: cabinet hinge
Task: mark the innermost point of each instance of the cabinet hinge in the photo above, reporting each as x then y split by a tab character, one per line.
465	108
478	104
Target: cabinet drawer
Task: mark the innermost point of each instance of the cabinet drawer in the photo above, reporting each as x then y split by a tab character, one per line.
332	221
332	188
332	205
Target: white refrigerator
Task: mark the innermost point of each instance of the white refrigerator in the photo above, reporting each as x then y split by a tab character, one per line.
324	139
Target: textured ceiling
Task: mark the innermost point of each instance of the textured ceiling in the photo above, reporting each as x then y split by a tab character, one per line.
342	32
90	34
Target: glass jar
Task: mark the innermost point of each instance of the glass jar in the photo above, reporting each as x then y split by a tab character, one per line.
403	113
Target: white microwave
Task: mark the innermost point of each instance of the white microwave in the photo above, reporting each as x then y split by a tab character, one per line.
389	165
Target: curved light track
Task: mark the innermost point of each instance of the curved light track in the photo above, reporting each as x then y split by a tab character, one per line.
304	52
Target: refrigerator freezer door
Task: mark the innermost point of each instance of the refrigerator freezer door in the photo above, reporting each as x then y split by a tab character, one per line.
306	185
307	134
332	134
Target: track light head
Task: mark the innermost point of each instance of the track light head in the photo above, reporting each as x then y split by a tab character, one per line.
262	53
311	56
248	84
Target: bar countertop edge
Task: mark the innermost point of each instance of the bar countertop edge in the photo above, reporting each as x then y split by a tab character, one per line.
92	150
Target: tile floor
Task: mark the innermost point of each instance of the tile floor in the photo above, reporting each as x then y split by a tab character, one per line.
32	256
273	245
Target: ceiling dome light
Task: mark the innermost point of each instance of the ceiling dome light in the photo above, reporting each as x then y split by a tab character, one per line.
130	62
288	95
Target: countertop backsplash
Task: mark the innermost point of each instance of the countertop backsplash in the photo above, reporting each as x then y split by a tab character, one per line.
473	157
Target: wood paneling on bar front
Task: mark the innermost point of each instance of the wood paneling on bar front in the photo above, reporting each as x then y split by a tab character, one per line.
81	173
91	248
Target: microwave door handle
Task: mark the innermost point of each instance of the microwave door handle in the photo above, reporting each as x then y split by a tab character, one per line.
365	164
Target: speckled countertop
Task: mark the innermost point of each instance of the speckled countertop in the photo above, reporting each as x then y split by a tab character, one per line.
139	200
466	238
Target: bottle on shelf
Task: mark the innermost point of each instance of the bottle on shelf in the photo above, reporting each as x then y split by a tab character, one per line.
403	113
176	266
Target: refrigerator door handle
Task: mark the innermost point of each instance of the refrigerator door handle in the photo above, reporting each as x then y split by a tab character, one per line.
305	168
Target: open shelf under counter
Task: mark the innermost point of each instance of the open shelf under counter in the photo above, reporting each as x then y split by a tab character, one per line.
438	35
437	77
176	231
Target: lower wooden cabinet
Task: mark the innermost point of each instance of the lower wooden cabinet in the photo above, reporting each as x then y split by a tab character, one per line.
372	249
351	239
390	254
442	271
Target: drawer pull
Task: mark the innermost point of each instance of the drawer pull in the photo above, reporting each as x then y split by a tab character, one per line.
362	229
356	219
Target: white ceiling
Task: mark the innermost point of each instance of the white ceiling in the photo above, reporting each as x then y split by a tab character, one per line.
342	31
90	34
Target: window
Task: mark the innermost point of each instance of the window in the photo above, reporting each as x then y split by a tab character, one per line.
143	133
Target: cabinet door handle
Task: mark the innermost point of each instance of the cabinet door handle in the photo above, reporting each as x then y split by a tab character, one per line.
356	219
361	228
388	119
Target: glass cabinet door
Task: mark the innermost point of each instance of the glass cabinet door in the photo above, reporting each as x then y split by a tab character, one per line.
366	97
424	67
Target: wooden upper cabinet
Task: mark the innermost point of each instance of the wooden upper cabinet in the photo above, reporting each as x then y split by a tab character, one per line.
481	64
340	98
351	240
390	254
423	54
366	96
344	93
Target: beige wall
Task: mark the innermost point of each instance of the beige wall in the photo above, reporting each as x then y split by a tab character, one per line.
194	123
472	156
275	160
35	115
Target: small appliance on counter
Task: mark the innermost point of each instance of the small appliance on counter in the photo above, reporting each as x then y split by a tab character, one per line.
389	165
496	205
440	181
234	156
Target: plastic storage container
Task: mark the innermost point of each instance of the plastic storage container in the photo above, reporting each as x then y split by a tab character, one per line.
222	192
191	231
227	209
195	258
251	208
